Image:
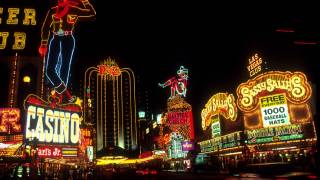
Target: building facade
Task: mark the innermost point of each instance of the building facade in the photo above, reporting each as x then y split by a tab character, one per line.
110	103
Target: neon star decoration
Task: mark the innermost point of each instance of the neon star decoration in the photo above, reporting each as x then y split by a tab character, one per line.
178	84
57	33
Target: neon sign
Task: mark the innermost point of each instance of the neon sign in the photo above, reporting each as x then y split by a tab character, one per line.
181	122
52	123
178	117
10	120
215	127
178	85
187	146
109	68
222	142
49	152
220	103
58	26
295	85
14	18
69	152
47	123
280	133
175	147
90	153
254	66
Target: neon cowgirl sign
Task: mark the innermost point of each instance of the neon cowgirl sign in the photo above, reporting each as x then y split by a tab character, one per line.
178	84
59	23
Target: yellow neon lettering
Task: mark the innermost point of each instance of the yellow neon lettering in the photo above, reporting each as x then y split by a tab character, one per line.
298	90
30	16
56	123
20	40
1	11
247	99
49	119
12	19
296	85
3	36
39	127
31	114
75	128
219	104
64	127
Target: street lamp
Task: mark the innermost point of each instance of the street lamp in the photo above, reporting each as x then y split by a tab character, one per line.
26	79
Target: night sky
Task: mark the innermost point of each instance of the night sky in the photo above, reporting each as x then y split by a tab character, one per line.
214	41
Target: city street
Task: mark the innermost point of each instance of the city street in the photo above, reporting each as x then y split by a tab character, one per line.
96	90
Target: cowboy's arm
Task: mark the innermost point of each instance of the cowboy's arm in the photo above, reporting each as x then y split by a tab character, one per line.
46	27
87	12
45	33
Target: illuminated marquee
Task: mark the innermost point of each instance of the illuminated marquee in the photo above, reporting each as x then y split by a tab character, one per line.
10	120
52	123
16	16
222	142
295	85
181	122
254	66
280	133
178	117
220	103
49	152
9	144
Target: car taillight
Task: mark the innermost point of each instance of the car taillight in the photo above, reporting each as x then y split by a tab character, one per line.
312	177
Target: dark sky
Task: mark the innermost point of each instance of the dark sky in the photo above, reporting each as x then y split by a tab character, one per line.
212	40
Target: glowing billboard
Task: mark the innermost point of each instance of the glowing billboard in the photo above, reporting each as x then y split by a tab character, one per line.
10	120
219	104
274	110
52	123
274	99
294	85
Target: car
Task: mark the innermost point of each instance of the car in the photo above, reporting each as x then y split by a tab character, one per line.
297	175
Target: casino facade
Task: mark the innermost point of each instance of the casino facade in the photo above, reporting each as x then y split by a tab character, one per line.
270	120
